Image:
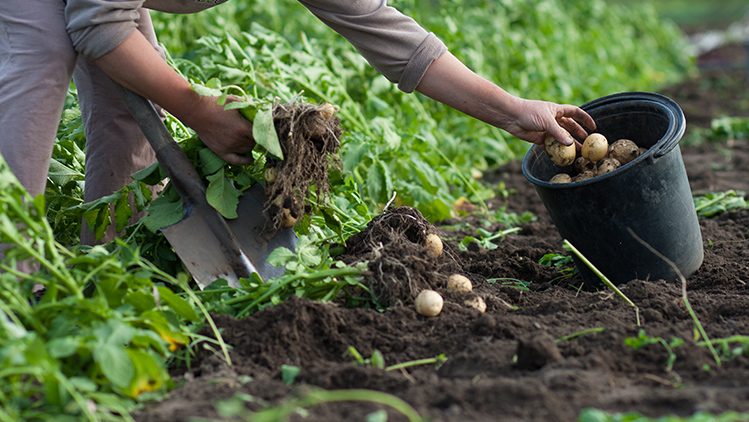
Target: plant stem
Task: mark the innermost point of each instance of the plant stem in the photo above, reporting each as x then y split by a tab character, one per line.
428	361
718	198
576	334
603	278
79	400
318	397
461	176
169	279
684	296
503	233
727	340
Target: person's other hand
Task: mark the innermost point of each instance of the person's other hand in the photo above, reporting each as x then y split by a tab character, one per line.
225	132
534	121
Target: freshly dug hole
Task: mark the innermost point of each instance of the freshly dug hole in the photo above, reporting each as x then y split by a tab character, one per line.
398	263
309	136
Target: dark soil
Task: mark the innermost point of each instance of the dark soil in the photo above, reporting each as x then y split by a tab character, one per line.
720	88
508	363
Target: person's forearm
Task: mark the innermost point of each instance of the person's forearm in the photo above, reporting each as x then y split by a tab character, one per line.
137	66
450	82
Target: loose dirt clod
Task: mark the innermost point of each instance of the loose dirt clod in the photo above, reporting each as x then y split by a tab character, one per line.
476	302
309	136
399	267
536	351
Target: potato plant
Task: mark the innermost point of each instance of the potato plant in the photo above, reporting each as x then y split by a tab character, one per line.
130	302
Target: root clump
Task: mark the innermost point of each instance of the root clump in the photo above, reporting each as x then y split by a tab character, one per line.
399	267
310	137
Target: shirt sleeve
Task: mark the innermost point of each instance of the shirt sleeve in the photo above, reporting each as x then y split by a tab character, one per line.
96	27
392	42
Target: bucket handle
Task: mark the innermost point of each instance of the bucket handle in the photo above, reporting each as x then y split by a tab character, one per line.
674	134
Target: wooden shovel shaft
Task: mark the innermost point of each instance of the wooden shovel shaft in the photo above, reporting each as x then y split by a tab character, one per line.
185	178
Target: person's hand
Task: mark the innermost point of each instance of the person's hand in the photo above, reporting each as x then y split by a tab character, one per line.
534	121
135	65
225	132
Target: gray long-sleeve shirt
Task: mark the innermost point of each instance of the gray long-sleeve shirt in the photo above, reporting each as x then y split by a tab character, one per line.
393	43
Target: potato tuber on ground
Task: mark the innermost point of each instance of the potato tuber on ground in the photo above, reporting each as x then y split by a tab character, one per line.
459	284
433	245
429	303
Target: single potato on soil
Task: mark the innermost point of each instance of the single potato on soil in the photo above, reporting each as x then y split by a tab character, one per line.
429	303
459	284
433	245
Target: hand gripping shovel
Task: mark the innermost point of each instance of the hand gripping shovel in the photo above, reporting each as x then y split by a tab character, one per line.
208	245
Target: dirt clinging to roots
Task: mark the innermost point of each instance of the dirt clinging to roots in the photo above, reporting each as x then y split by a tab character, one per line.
310	138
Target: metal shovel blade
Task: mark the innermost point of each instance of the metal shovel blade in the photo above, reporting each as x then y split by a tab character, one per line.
208	245
202	254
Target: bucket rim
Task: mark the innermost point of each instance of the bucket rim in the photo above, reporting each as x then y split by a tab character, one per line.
675	130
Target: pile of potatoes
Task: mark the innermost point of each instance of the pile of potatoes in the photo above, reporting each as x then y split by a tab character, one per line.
597	157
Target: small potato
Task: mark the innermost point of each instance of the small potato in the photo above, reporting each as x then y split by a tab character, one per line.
607	165
624	151
457	283
476	302
327	111
433	245
288	220
271	175
429	303
641	151
595	147
587	174
582	164
463	206
561	155
561	178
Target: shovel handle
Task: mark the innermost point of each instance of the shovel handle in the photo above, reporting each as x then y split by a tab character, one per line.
184	177
181	172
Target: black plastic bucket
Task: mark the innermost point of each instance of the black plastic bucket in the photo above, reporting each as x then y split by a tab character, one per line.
649	195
